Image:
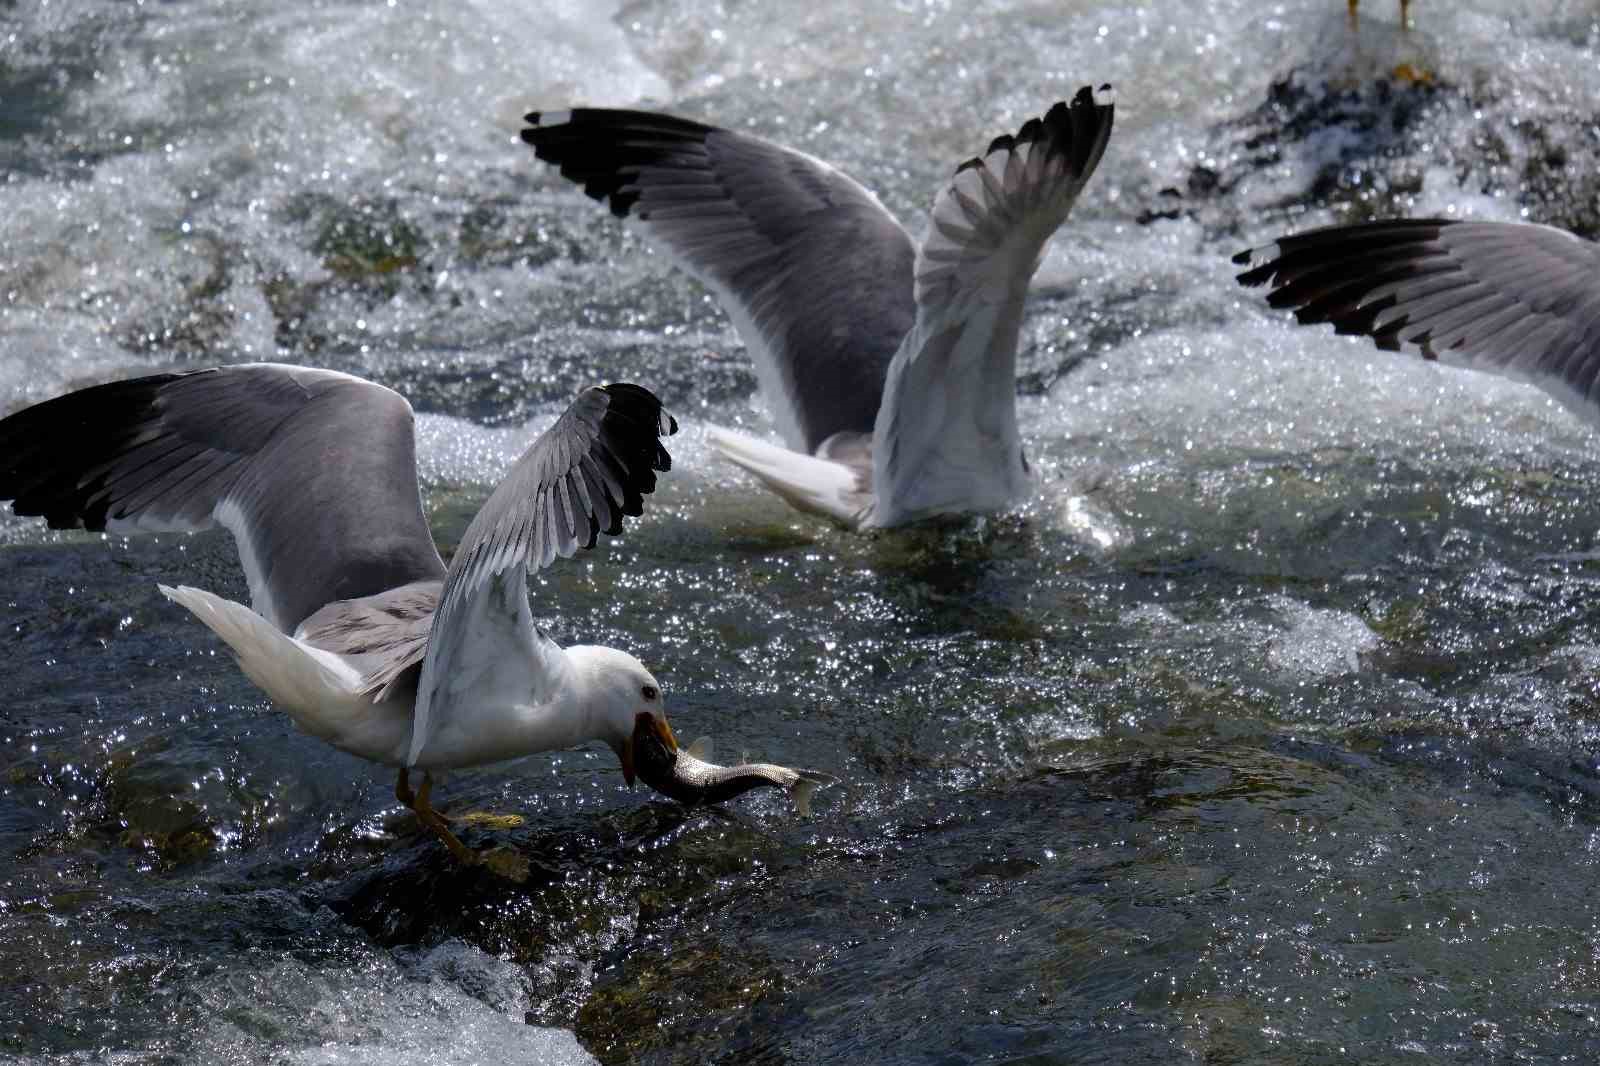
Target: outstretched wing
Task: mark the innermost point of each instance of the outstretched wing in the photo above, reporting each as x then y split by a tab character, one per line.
946	439
815	274
579	479
1511	298
313	472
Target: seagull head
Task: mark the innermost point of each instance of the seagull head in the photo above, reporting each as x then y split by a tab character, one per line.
621	694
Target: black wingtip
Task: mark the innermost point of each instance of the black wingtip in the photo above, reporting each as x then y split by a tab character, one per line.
1007	142
1243	258
54	455
1078	129
643	413
603	149
640	399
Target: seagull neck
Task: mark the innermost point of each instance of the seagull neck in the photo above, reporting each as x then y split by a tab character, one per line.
591	692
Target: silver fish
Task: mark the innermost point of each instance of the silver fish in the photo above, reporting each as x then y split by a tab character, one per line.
685	774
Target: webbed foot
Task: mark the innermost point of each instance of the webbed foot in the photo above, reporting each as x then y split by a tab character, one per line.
487	819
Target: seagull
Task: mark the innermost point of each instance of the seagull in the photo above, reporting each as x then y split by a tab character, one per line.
1512	298
355	627
890	367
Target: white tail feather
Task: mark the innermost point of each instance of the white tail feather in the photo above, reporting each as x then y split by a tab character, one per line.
317	688
816	486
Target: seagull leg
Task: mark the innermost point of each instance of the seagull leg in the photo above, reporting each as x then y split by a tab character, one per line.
1353	5
1407	71
431	818
503	861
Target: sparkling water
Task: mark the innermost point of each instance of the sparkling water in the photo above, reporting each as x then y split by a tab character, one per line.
1264	733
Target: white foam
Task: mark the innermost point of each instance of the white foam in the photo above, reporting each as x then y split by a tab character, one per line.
449	1005
171	242
1319	642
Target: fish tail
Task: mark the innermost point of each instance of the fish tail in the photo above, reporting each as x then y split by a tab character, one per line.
806	785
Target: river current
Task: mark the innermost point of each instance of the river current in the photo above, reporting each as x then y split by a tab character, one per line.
1265	733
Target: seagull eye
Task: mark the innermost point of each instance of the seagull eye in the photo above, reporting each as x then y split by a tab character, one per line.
650	692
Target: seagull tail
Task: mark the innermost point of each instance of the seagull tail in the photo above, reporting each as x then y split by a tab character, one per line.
809	483
318	690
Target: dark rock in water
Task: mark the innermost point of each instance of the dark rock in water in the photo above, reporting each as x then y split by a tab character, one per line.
1368	147
1359	144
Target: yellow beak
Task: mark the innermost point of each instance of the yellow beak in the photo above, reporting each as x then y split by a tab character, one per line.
664	731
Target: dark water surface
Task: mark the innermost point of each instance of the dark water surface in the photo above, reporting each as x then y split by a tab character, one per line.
1267	733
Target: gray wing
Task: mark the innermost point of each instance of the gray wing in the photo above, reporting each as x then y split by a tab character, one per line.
815	274
312	471
579	479
946	439
1512	298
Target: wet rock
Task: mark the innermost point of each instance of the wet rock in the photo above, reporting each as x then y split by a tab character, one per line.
1368	149
1353	146
688	996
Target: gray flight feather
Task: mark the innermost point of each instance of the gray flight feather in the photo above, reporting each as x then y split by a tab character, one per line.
1511	298
312	471
814	272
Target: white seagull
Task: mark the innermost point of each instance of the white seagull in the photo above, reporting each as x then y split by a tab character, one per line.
889	367
355	627
1512	298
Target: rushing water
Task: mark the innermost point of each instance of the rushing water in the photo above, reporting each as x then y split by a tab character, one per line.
1266	733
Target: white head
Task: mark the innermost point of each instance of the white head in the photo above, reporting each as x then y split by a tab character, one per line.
618	691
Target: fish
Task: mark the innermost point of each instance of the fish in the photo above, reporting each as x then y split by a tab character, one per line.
688	776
